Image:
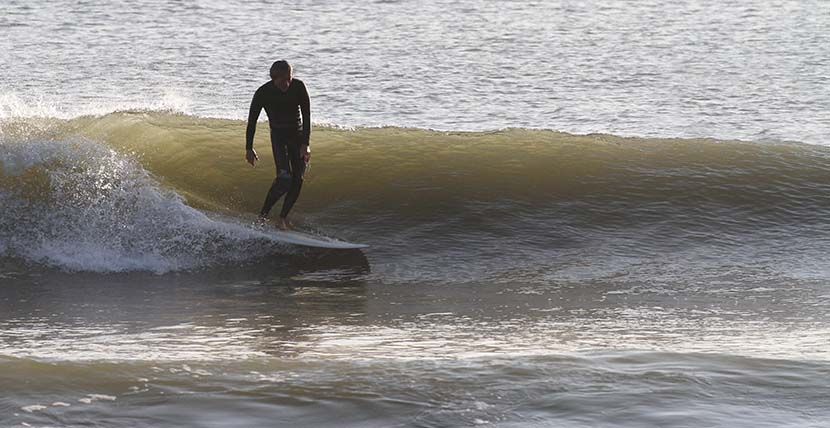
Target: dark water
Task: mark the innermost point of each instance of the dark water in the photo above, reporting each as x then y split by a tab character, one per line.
260	347
513	278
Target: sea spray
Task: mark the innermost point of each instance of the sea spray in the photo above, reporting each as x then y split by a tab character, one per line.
81	205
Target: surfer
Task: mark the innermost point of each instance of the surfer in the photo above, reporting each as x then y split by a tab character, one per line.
284	99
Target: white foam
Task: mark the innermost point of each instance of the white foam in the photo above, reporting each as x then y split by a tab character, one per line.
91	398
105	213
14	106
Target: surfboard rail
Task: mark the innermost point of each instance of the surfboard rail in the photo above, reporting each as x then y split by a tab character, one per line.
309	240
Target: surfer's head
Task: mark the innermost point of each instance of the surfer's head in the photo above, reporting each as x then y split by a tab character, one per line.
281	74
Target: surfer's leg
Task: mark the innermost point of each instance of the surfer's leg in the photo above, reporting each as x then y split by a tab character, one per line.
291	197
278	188
283	181
270	199
297	172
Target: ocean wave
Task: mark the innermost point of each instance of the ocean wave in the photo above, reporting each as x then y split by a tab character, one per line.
138	189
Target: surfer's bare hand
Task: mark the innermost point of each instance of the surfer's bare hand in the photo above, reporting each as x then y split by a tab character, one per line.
305	152
251	157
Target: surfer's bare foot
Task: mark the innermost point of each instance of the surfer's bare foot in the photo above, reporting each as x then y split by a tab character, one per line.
284	224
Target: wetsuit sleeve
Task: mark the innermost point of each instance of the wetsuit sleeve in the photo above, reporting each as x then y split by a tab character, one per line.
305	109
253	116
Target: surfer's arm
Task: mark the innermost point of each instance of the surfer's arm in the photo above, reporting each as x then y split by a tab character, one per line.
253	116
305	109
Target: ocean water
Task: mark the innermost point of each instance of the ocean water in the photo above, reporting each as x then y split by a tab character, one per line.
600	214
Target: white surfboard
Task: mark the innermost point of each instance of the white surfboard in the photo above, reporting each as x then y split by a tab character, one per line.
304	239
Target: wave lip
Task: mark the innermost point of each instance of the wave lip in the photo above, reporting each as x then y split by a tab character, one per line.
13	107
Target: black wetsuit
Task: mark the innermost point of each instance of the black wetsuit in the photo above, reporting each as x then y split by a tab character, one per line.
288	131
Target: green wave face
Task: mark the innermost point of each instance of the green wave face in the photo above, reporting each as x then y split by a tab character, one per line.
203	159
